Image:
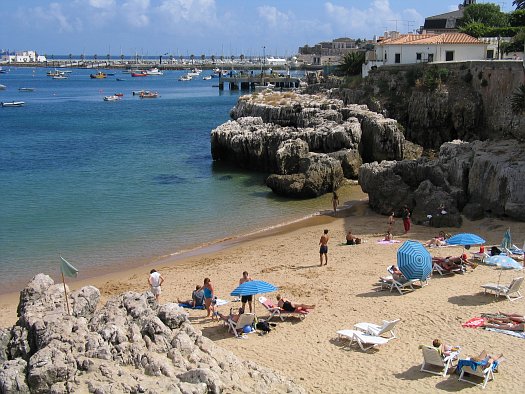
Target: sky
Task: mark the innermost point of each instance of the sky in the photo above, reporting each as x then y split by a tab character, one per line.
210	27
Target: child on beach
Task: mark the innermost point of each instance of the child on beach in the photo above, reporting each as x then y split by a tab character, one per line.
391	222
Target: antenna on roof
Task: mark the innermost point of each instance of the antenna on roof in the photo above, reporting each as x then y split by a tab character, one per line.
402	20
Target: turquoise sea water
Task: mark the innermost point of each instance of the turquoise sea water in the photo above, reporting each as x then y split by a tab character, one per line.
111	184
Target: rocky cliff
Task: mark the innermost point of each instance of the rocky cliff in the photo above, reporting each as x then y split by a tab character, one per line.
308	142
130	345
479	178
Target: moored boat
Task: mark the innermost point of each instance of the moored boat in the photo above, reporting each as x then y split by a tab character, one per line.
207	77
13	104
99	75
139	74
55	73
119	94
3	87
59	76
111	98
148	94
26	89
154	71
185	77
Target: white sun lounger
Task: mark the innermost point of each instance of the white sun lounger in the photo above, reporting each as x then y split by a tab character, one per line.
364	341
507	291
244	320
388	327
433	358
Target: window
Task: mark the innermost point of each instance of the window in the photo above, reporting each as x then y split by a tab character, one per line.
418	57
430	57
398	58
449	56
385	57
490	54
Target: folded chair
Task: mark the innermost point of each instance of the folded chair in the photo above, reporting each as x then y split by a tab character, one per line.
246	319
507	291
388	327
475	371
439	363
364	341
274	310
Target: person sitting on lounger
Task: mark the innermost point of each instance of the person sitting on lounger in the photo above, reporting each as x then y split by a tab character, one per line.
197	298
290	306
443	349
486	359
231	316
440	240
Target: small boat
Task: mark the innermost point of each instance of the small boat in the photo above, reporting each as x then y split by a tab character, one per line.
259	88
195	72
139	74
185	77
120	79
111	98
59	77
137	92
13	104
154	71
148	94
119	94
26	89
3	87
207	77
2	71
55	73
99	75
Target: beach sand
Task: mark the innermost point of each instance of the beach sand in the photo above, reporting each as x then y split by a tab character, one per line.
345	293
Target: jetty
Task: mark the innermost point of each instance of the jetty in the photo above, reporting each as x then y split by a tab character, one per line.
248	81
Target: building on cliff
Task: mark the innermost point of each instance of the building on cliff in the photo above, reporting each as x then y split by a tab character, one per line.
447	22
399	49
328	52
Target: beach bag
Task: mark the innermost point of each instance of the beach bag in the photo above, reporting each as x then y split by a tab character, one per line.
263	326
358	241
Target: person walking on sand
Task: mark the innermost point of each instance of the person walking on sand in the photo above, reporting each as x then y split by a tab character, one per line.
391	221
248	298
335	201
155	281
208	295
323	250
405	215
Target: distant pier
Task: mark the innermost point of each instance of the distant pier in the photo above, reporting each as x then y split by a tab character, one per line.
247	81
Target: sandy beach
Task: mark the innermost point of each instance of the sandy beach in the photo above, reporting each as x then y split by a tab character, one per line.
345	293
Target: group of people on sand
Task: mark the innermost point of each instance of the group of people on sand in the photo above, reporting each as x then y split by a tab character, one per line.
484	358
510	321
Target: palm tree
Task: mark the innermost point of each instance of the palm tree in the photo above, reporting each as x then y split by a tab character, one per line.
520	4
122	58
242	58
70	57
203	58
192	57
108	56
213	59
351	64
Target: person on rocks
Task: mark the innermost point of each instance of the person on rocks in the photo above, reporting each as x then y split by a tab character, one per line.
248	298
155	281
323	250
335	201
208	295
405	215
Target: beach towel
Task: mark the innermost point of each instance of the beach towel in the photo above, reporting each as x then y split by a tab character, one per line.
191	307
474	322
474	365
518	334
383	242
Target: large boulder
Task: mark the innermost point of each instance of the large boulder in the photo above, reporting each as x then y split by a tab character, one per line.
13	377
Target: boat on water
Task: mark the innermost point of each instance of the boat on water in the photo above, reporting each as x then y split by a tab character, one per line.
195	72
59	77
26	89
13	104
112	98
119	94
259	88
99	75
2	71
148	94
55	73
154	71
207	77
3	87
139	74
185	77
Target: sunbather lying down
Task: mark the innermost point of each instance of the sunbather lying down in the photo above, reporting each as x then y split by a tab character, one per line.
513	322
486	359
450	263
290	306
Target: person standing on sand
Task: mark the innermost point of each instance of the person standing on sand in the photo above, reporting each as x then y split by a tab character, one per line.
390	222
323	250
248	298
335	201
155	281
405	215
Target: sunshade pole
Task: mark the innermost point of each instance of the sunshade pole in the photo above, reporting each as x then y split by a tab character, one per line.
65	294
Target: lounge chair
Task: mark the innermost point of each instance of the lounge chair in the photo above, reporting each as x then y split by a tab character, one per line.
436	267
433	358
400	285
388	327
246	319
476	370
507	291
364	341
274	310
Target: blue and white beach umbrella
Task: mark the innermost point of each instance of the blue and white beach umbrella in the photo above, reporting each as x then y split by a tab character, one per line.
414	261
465	239
253	287
506	243
504	262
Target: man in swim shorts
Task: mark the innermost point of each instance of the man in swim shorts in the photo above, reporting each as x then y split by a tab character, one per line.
323	250
246	299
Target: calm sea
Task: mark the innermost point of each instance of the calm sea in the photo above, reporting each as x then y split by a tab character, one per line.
113	184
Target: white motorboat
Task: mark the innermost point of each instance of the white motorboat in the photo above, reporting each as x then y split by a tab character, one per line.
3	87
259	88
154	71
185	77
113	97
55	73
59	77
195	72
207	77
13	104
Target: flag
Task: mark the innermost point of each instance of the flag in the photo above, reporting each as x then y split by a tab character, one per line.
67	269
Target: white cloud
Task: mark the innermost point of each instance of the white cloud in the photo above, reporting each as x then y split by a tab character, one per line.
52	15
373	19
202	11
104	4
273	16
136	12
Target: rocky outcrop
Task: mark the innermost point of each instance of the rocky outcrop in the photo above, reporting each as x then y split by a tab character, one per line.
130	345
478	178
307	142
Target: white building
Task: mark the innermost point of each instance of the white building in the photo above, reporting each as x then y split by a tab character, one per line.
23	57
425	48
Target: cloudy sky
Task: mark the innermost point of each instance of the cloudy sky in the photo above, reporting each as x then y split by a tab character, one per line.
183	27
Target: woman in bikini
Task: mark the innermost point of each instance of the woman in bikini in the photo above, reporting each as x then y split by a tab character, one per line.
289	306
208	295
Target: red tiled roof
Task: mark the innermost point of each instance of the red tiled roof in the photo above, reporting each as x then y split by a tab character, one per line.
425	39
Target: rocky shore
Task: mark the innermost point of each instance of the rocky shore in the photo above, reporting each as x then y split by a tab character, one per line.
130	345
310	143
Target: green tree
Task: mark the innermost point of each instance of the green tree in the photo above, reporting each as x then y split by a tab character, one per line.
487	13
475	29
517	101
203	57
351	64
213	59
520	4
516	44
192	58
517	18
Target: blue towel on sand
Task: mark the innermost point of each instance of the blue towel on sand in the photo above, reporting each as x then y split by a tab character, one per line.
190	307
518	334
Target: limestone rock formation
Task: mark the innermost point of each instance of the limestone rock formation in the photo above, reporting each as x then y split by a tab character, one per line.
130	345
336	139
478	178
